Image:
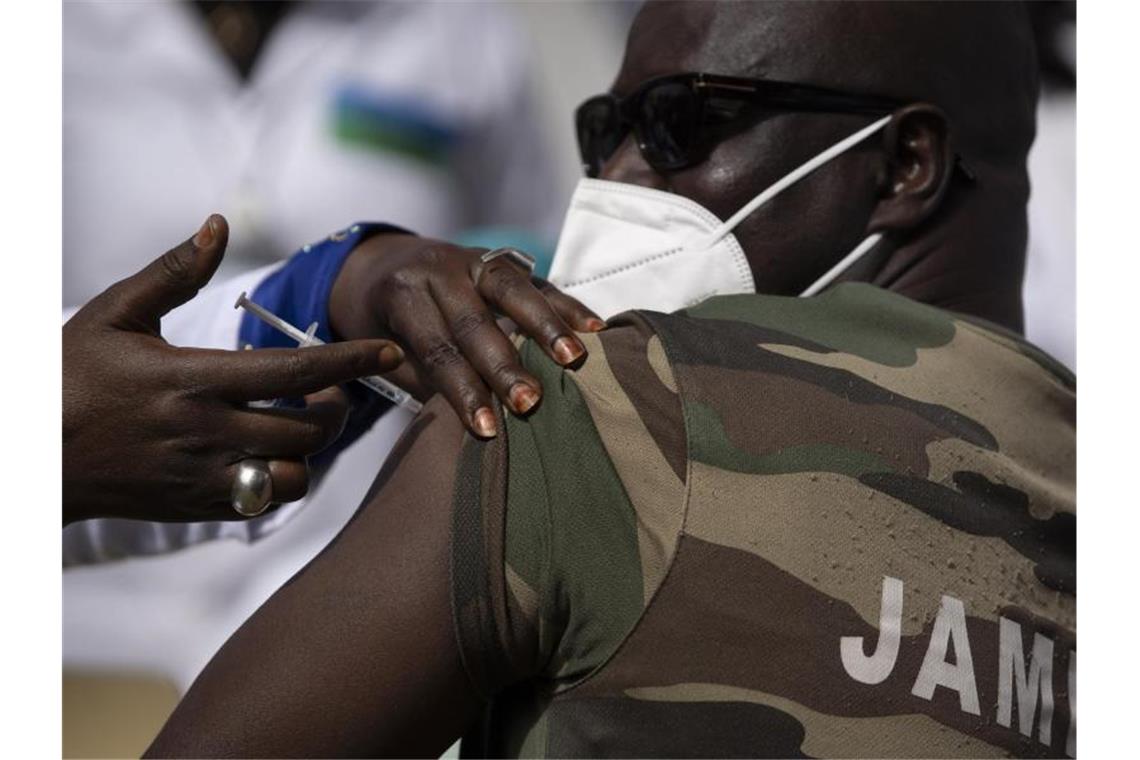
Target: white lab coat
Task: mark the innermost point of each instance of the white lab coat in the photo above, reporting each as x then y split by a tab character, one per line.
158	132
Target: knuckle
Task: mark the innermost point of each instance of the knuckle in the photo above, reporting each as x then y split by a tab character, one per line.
464	398
187	446
174	413
504	283
401	282
441	354
174	266
505	369
183	491
182	486
437	256
199	443
397	298
556	297
469	322
432	255
505	373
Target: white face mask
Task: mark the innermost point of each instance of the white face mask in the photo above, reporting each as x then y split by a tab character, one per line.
629	247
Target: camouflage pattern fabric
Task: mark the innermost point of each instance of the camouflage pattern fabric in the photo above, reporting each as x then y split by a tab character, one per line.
842	526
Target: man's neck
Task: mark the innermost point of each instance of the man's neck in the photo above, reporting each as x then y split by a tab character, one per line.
971	261
968	284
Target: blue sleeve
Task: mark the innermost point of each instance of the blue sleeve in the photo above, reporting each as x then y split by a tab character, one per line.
299	293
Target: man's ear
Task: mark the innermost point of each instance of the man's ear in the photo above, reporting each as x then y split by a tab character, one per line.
920	164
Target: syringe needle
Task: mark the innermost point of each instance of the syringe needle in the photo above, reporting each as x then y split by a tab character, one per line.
375	383
270	318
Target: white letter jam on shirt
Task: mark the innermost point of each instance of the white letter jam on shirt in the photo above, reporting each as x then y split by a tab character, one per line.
936	671
1011	670
876	668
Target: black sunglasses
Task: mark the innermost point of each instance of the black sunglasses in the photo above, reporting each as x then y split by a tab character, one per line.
672	116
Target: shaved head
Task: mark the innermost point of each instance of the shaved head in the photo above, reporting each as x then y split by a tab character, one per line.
970	67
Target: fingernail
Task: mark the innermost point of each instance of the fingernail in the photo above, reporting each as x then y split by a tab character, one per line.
595	325
567	349
391	354
523	397
485	422
205	236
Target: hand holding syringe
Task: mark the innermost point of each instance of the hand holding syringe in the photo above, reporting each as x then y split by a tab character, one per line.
375	383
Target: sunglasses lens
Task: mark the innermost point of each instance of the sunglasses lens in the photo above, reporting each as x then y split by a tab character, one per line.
669	123
599	130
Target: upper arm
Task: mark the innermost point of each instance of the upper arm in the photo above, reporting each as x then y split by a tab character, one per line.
581	504
470	566
355	655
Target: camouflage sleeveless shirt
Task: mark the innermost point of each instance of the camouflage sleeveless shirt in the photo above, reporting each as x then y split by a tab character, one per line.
837	526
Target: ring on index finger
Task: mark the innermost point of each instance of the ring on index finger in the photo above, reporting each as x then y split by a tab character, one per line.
526	261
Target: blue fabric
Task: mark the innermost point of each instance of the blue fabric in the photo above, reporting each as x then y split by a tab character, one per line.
299	293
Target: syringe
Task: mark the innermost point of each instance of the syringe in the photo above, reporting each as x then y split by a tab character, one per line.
375	383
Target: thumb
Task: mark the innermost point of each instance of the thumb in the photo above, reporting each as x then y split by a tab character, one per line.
172	279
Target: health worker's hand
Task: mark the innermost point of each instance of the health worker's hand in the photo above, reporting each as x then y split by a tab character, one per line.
155	432
440	301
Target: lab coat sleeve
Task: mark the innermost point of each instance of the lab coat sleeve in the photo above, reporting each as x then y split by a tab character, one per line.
298	291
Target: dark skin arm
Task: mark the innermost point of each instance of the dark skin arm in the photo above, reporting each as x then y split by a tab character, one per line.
356	655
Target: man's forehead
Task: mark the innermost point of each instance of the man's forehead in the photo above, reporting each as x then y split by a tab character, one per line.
846	45
741	39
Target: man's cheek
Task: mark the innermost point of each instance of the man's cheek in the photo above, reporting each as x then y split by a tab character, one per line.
723	183
739	168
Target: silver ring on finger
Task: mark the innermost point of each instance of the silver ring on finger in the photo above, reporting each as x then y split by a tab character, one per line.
253	487
524	260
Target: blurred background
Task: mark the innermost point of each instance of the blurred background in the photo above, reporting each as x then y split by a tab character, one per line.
294	119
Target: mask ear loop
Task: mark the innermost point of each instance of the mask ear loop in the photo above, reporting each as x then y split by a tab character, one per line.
794	176
867	244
